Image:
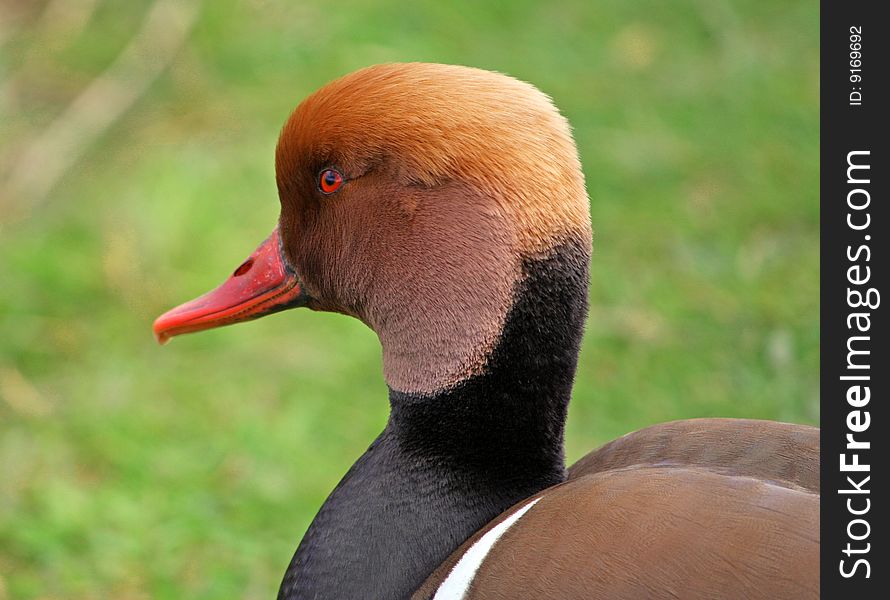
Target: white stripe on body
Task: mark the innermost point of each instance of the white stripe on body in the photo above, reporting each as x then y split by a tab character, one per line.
457	584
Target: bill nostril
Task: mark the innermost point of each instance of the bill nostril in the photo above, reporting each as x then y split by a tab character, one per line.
244	268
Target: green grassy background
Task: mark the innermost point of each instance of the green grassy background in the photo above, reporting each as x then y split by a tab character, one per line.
132	471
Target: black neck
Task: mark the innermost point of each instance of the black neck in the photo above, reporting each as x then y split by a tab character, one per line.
447	464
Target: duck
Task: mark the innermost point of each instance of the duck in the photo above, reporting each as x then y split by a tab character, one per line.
445	207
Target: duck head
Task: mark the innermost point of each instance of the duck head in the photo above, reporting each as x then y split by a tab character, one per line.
411	197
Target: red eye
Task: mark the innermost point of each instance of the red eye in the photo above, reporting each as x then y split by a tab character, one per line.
330	180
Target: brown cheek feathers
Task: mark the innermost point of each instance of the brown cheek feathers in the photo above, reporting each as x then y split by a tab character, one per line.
458	176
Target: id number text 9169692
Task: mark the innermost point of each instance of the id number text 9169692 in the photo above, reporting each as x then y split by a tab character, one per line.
856	65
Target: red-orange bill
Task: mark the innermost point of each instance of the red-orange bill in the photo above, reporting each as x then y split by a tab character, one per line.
263	284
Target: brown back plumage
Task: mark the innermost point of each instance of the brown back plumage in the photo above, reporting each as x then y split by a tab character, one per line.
768	450
701	508
654	532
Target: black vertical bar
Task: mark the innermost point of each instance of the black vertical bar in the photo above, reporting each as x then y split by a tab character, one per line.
854	264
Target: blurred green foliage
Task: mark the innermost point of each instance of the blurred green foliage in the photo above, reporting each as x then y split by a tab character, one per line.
133	471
